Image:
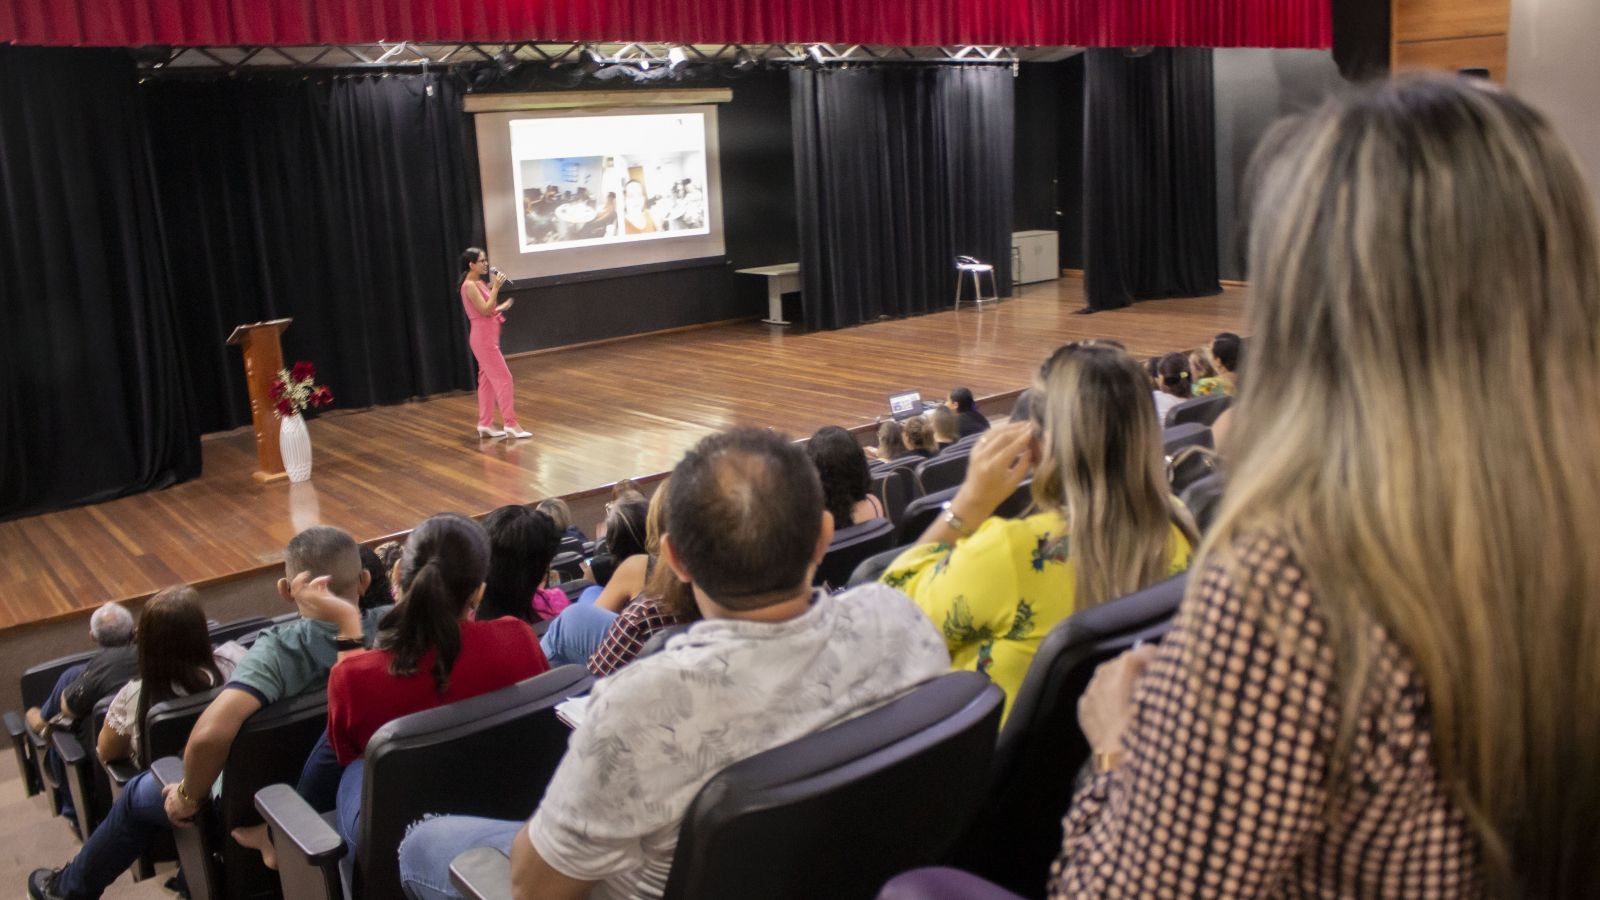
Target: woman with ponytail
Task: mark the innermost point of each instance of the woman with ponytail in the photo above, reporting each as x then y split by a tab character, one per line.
428	653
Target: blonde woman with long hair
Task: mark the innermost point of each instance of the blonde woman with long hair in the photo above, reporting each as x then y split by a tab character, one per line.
1383	682
1106	523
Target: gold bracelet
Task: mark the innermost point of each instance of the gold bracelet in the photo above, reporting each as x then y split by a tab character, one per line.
183	794
1106	760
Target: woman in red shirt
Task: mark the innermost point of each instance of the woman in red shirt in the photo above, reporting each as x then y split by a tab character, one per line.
428	652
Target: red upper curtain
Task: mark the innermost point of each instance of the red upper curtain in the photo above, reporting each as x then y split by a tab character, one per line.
1017	23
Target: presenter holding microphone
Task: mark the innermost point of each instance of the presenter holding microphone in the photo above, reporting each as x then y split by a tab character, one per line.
482	301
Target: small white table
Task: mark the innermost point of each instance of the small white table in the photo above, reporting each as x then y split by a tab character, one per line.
781	279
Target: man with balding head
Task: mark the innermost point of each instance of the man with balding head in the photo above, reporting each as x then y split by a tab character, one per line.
773	660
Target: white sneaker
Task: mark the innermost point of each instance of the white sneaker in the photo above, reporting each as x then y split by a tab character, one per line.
517	432
490	431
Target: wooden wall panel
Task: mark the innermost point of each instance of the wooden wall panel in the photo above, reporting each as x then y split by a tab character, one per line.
1432	20
1488	52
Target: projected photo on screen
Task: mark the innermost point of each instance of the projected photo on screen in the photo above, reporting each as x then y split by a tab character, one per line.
585	191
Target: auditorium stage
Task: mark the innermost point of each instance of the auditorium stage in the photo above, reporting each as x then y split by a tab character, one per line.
599	413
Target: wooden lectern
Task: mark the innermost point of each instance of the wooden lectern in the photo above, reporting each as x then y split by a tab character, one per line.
263	358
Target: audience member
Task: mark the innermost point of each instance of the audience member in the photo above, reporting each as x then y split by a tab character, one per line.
1382	681
1022	409
623	538
378	592
428	653
664	603
574	634
846	480
946	427
561	514
522	543
389	552
1173	386
80	687
175	658
745	529
965	407
323	578
1228	350
1203	373
1108	525
891	445
917	436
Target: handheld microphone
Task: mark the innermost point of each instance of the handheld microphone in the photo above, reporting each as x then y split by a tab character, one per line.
494	271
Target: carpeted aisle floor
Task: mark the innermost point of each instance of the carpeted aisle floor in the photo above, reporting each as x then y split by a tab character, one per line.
30	837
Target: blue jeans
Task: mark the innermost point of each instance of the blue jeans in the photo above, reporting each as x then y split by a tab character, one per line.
319	777
136	819
577	631
431	845
52	759
349	818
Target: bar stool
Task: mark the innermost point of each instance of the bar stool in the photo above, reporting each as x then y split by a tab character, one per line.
966	264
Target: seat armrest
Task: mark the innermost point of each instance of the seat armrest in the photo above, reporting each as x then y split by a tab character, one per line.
120	771
168	770
482	873
293	820
68	747
17	730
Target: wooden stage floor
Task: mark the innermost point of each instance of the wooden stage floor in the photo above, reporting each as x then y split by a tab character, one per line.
598	413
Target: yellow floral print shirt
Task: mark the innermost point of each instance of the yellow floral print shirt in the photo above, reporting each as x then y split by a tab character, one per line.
995	595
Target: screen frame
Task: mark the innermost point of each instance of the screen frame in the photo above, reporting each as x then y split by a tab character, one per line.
501	209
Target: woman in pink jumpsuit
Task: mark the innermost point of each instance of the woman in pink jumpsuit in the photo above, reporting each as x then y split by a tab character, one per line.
484	309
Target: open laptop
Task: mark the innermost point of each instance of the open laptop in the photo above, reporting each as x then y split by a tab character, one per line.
905	405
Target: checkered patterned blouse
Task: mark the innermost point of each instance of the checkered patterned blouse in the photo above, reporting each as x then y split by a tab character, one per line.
1227	786
629	632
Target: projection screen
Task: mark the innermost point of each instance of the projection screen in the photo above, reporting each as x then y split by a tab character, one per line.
570	191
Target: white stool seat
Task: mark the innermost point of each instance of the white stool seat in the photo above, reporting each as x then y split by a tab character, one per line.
966	265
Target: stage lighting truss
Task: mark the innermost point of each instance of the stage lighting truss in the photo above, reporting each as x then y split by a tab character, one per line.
657	59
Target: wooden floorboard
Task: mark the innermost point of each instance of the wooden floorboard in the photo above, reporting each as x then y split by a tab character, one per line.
599	413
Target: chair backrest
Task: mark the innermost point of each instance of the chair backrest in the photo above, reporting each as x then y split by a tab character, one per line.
568	565
943	471
490	755
39	680
238	628
964	444
167	724
1014	839
894	486
1189	465
923	510
836	813
850	546
1203	497
1200	410
658	641
1187	435
873	567
270	747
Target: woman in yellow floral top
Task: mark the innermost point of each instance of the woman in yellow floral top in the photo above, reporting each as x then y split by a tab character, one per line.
1106	526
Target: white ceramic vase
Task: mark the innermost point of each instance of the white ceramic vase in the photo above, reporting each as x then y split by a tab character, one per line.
294	445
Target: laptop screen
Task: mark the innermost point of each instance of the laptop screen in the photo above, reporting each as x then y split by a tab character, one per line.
906	405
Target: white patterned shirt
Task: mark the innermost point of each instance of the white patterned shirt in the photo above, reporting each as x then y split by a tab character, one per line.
657	730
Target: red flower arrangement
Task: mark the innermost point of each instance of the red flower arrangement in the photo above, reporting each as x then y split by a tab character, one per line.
295	389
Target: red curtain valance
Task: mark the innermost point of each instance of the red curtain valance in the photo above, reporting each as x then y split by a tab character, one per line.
1018	23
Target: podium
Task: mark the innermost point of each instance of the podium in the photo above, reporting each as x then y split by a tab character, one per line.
263	358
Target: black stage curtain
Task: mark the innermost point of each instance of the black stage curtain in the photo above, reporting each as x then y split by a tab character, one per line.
94	396
1149	177
343	203
898	170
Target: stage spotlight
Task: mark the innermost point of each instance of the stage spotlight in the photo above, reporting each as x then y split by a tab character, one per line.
676	59
506	60
743	61
590	60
